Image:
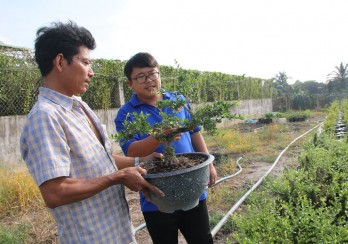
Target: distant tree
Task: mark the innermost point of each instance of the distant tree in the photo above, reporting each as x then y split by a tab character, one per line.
282	92
297	87
338	79
281	79
311	87
301	101
281	84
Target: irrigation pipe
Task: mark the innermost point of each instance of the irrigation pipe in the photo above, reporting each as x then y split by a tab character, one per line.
230	176
241	200
139	227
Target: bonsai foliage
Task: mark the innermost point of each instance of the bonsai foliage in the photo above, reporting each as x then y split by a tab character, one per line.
165	131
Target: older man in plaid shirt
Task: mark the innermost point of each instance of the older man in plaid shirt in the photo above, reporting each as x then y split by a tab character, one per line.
67	150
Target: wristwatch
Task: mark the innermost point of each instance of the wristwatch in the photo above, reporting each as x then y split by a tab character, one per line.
136	161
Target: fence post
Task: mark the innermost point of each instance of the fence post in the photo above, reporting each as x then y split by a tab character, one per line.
121	92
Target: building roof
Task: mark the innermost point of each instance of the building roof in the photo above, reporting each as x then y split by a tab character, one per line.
2	44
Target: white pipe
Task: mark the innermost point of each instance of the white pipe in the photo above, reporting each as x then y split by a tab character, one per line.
241	200
136	229
230	176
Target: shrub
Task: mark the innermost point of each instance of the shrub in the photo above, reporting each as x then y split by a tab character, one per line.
307	204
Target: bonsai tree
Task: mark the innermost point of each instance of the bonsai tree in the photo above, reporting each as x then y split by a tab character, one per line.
206	116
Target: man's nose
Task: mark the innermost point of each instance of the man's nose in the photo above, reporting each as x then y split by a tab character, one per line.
90	72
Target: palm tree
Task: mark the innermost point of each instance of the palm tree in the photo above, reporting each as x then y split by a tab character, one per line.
281	79
283	91
338	79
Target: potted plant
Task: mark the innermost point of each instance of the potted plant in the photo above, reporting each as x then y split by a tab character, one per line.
298	116
182	177
267	119
278	117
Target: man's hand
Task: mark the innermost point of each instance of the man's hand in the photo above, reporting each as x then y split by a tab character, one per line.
151	157
133	179
212	174
168	135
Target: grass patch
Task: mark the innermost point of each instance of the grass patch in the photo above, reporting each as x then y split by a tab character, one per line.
14	235
232	141
18	192
270	133
220	197
266	158
227	166
237	142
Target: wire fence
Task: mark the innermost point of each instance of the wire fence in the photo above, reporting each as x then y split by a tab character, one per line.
20	80
18	97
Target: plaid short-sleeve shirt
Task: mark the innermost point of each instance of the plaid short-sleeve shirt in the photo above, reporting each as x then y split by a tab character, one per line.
57	141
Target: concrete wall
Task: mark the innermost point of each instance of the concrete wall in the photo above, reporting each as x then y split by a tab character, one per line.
11	126
10	130
249	108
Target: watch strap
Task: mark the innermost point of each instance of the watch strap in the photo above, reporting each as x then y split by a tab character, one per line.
136	161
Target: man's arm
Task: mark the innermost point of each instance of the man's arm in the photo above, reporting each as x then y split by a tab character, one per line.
199	145
124	162
143	147
198	142
137	148
64	190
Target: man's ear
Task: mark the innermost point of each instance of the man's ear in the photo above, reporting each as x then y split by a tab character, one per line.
58	61
129	82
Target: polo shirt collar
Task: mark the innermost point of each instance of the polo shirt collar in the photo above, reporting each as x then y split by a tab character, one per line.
136	102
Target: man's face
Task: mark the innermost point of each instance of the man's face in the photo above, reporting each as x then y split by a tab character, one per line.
77	75
145	82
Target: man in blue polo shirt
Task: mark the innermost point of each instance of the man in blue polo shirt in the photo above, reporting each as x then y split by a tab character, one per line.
143	76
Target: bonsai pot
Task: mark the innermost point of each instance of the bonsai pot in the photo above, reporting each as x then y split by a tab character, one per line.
265	120
297	119
182	188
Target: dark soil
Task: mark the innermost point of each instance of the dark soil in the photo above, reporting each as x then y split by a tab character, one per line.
184	161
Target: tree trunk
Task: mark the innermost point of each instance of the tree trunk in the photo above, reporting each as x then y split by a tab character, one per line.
169	154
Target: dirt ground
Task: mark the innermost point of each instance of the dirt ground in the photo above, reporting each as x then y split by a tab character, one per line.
251	173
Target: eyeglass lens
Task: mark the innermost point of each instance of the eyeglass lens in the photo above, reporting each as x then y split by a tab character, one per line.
143	78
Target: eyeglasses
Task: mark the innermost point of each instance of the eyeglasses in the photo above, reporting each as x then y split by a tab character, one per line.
143	78
85	61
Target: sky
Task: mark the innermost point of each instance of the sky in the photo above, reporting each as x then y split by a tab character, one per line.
306	39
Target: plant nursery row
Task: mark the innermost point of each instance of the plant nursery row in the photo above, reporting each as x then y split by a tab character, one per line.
308	203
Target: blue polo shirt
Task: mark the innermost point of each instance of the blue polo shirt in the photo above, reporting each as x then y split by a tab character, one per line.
184	145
